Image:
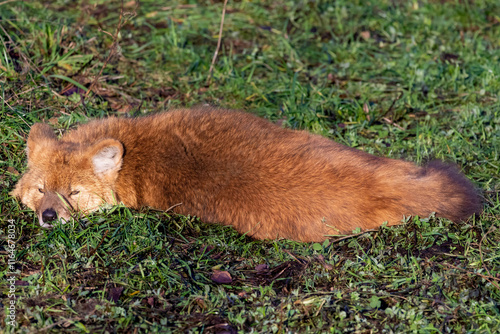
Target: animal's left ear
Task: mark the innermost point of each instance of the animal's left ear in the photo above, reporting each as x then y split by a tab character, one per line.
107	157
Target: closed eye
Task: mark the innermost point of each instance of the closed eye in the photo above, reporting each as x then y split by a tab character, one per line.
41	190
74	192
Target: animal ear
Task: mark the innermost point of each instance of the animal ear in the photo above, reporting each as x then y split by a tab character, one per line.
107	158
40	135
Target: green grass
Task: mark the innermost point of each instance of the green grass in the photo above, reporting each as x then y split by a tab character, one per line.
404	79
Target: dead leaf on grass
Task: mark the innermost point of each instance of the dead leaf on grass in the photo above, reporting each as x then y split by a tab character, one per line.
321	259
114	294
12	170
221	277
261	267
365	35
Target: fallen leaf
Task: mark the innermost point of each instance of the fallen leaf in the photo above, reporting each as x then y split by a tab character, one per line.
221	277
365	35
262	267
12	170
115	293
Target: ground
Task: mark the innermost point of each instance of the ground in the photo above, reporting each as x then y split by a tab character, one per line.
416	80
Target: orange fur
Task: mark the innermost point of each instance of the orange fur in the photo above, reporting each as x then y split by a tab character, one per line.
235	169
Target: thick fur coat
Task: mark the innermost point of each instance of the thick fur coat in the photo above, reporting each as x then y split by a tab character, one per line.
235	169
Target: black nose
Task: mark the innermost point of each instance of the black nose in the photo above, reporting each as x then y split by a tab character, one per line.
49	215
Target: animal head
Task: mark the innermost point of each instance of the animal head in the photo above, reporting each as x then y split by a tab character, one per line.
65	177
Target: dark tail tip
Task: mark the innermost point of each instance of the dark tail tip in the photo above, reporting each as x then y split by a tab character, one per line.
461	198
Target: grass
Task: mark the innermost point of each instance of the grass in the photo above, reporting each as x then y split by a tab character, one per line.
404	79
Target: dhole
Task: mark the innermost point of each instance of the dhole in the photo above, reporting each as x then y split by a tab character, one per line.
235	169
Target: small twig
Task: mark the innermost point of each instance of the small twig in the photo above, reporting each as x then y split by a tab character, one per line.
218	43
60	322
7	103
291	255
24	92
279	274
388	121
173	206
112	50
486	277
393	103
354	235
320	307
92	252
138	109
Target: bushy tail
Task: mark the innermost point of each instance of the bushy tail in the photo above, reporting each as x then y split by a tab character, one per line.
440	187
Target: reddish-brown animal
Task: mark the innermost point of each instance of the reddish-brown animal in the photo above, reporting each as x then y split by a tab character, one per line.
235	169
